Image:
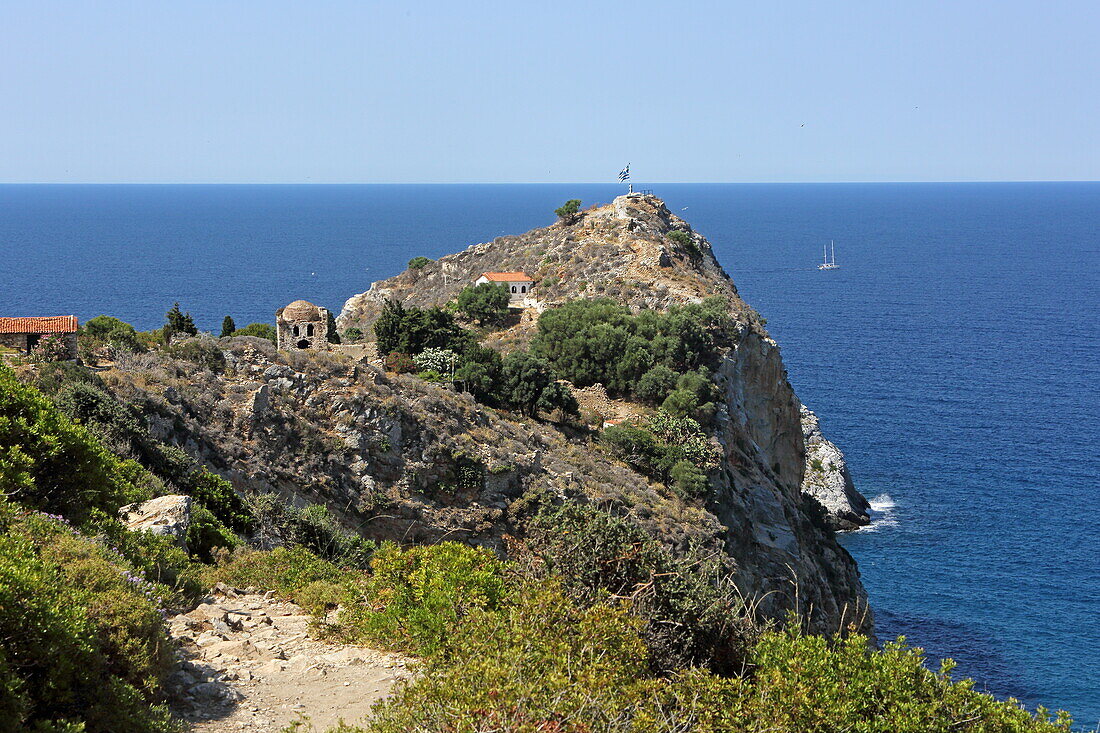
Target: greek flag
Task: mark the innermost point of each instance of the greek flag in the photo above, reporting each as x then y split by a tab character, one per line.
624	174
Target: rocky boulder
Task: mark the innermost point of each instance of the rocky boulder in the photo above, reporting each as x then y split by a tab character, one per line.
827	479
168	516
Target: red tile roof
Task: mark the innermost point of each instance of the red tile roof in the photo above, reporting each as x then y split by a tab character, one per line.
48	324
507	277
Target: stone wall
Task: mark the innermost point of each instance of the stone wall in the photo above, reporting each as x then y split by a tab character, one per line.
16	341
303	334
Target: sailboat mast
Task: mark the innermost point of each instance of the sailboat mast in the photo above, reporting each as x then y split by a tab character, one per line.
833	245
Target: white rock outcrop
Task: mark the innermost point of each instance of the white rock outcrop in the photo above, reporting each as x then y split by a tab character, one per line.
827	479
168	516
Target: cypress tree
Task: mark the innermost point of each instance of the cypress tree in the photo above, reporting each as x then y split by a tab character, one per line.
228	326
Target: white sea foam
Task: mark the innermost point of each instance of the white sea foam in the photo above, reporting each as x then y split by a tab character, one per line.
882	514
882	503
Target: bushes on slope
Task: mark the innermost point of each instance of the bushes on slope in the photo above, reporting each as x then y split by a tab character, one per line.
667	448
689	608
568	650
415	598
49	463
411	330
590	341
486	303
122	428
82	641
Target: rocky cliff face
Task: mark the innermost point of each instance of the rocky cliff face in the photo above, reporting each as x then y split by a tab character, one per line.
396	457
826	478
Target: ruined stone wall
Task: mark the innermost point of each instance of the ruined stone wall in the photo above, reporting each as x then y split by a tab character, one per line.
303	334
13	341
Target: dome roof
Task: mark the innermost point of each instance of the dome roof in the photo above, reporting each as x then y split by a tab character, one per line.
301	310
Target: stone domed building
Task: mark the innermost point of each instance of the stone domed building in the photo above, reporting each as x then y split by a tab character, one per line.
302	325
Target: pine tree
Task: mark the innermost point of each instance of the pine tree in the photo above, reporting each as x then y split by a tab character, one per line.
179	322
228	326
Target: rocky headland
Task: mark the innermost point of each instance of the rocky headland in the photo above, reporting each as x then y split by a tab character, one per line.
396	457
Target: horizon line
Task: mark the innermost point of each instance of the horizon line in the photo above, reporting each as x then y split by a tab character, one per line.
534	183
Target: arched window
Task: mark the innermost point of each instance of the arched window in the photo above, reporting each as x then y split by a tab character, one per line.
513	288
309	330
296	331
523	288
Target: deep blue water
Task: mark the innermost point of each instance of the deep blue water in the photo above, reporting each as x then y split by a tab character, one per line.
953	357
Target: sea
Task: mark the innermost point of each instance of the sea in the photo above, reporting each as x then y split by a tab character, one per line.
954	356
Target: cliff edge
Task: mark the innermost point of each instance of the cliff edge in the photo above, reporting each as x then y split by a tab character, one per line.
635	251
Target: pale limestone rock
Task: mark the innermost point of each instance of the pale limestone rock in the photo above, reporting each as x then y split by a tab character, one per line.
167	516
827	478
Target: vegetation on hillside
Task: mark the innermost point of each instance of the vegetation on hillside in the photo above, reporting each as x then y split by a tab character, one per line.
571	651
259	330
667	448
601	341
486	304
568	212
590	624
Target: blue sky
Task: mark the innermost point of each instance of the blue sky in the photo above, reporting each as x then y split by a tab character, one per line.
315	91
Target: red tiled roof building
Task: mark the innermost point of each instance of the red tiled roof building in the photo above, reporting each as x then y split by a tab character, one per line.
519	284
23	333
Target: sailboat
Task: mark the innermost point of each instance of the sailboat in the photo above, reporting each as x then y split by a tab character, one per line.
827	265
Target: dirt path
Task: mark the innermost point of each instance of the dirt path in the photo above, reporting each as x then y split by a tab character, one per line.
249	664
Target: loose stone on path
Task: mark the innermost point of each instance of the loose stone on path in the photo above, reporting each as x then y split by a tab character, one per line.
248	662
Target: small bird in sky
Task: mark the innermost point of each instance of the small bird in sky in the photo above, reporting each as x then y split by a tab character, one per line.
803	124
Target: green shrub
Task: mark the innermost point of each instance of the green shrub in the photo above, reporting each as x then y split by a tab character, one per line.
228	326
590	341
662	442
110	331
480	371
688	480
312	527
542	664
218	495
415	598
523	380
685	241
411	330
680	403
812	684
285	570
558	397
418	262
353	335
202	352
569	211
81	639
317	530
159	559
485	303
259	330
47	462
321	596
206	534
545	664
51	378
655	385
